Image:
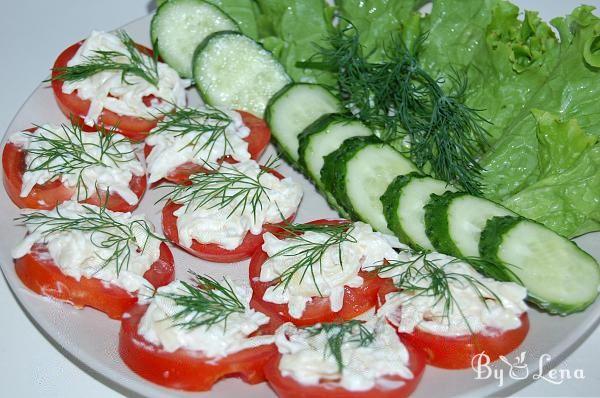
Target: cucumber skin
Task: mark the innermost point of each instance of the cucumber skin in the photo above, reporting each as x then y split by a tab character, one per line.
436	223
317	126
391	200
269	114
333	173
314	128
491	239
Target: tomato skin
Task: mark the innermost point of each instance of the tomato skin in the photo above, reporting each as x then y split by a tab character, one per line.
39	273
213	252
458	352
76	108
356	300
48	195
288	387
258	139
185	369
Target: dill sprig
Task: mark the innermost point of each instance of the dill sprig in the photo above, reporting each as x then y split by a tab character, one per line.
309	253
210	122
353	331
399	99
71	154
222	187
106	231
137	64
206	302
424	277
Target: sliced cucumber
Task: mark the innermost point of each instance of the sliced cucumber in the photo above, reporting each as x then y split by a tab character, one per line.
232	70
324	136
359	172
179	26
295	107
454	221
558	275
404	207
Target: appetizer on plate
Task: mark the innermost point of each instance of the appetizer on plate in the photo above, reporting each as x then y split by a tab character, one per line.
444	307
190	140
109	80
86	255
220	215
47	165
319	272
353	359
194	334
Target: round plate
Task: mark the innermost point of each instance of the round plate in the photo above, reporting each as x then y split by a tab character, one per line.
89	338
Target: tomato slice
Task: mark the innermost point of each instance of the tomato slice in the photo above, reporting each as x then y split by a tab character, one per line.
48	195
450	352
76	108
288	387
257	140
211	251
39	273
185	369
357	300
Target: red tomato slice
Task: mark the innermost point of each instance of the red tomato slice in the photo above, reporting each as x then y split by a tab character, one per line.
357	300
39	273
75	108
288	387
458	352
185	369
47	196
257	140
211	251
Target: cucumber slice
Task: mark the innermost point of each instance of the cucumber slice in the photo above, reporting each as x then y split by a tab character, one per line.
324	136
232	70
404	207
454	221
558	275
295	107
179	26
359	172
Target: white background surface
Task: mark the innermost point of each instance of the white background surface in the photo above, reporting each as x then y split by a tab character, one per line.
33	33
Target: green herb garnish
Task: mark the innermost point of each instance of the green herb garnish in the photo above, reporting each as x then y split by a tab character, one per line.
222	187
70	154
353	331
399	99
206	302
424	277
310	253
210	122
137	64
106	231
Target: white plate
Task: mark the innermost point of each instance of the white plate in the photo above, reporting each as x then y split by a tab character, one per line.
89	338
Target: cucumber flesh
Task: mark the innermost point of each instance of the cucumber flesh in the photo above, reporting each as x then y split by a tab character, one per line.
404	207
558	275
325	136
454	222
359	172
232	70
179	26
294	108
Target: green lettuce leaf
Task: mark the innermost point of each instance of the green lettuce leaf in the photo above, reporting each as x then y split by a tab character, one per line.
566	196
291	29
378	20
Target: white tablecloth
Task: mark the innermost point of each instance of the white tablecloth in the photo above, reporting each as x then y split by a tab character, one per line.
33	33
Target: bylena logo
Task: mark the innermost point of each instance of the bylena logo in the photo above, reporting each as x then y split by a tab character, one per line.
518	369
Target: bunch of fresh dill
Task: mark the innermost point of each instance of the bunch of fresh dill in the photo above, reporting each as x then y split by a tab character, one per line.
402	102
